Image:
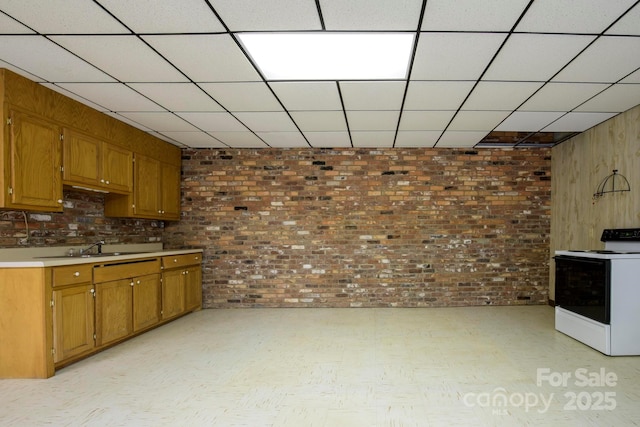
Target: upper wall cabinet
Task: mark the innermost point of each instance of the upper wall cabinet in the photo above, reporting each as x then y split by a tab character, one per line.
96	164
156	193
32	161
49	140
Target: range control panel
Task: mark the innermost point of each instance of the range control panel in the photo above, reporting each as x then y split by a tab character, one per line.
620	235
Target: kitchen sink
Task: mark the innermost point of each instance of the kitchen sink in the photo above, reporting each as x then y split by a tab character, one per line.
103	254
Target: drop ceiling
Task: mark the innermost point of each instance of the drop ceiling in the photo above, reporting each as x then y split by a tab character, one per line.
482	72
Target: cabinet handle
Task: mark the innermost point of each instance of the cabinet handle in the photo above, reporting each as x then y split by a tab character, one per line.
107	182
60	201
102	181
131	284
138	282
76	274
175	260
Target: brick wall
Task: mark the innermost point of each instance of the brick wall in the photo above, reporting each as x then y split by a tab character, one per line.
82	222
367	227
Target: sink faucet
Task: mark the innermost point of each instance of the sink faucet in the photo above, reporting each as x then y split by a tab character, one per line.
99	244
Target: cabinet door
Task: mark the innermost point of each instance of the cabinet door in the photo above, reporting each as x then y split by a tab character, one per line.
172	293
72	321
147	187
170	190
193	288
117	167
81	158
35	163
114	310
146	301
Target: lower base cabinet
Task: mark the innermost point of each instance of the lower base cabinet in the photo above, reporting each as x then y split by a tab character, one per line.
181	284
73	317
53	316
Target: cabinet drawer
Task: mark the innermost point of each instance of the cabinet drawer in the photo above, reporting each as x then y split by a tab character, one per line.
72	274
125	270
177	261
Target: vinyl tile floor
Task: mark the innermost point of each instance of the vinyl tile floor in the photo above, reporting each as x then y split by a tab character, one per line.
471	366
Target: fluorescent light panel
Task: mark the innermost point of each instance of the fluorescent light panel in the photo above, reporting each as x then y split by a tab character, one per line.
330	56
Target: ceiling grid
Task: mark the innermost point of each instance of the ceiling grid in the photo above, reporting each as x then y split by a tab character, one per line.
537	70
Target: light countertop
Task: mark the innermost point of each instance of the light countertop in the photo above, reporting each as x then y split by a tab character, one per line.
56	256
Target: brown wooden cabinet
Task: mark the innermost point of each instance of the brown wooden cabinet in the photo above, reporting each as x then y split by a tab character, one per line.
73	322
127	299
32	153
95	164
181	284
146	301
73	312
50	316
156	192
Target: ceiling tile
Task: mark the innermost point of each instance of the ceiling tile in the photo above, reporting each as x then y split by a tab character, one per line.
124	57
453	139
562	96
112	96
607	60
528	121
239	139
535	57
253	96
160	122
308	95
328	139
47	60
425	120
320	120
477	120
577	122
372	120
165	16
628	24
65	17
284	139
499	95
195	139
211	122
177	96
451	56
20	71
373	139
199	57
267	121
268	15
380	95
128	121
616	99
436	95
368	15
632	78
417	138
72	95
167	139
572	16
11	26
472	15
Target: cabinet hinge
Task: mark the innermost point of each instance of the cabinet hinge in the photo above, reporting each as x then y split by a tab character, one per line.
52	303
62	137
53	351
9	121
10	191
95	337
61	168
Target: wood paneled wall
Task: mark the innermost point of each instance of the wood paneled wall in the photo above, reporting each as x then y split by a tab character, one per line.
578	166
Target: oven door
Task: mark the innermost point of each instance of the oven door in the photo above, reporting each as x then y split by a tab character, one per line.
583	286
